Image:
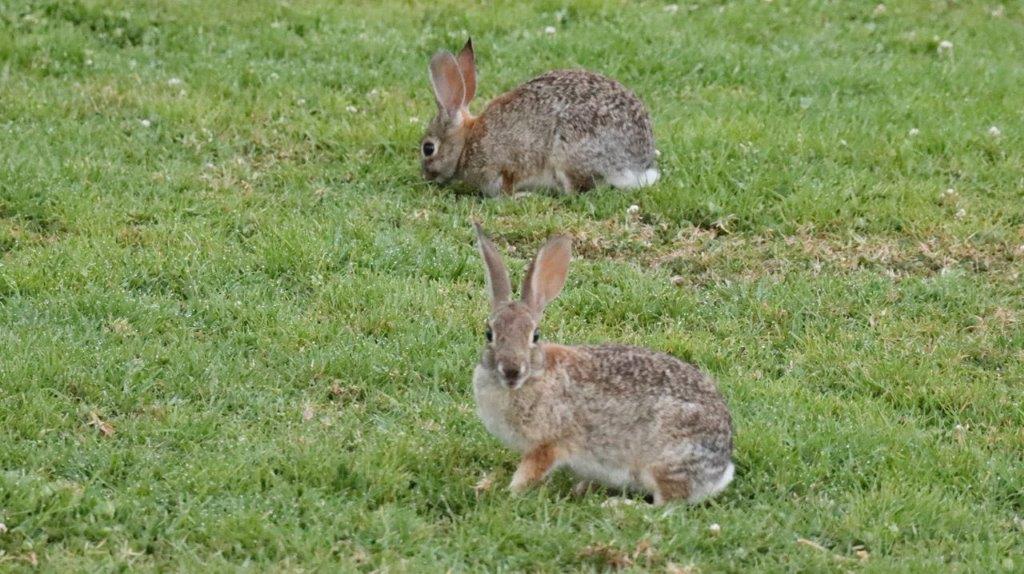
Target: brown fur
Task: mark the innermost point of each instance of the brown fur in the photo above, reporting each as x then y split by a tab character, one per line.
580	180
570	129
474	126
497	276
546	274
535	465
669	487
558	356
448	84
467	65
508	181
625	416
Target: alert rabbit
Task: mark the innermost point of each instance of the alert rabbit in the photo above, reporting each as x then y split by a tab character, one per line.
622	416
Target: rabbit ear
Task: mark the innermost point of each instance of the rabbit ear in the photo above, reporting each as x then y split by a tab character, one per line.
467	65
546	274
449	88
497	273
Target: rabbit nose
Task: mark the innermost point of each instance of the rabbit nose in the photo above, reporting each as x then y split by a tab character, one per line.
511	372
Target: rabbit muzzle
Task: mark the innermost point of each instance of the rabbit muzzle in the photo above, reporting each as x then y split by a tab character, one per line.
513	373
430	175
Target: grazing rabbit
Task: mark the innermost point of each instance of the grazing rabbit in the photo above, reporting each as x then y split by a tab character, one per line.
567	129
625	417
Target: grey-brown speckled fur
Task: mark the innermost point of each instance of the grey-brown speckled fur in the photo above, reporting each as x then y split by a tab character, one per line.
623	416
566	129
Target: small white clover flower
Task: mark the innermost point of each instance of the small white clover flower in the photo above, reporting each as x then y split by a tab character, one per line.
994	131
961	213
914	132
550	30
945	46
351	109
174	82
879	10
633	209
145	123
715	529
414	120
671	8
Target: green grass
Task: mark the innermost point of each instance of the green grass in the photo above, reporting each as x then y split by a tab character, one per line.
203	247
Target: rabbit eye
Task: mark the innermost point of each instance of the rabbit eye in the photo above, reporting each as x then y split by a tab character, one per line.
536	335
490	335
428	149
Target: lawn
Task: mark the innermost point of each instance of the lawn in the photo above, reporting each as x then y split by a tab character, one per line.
237	329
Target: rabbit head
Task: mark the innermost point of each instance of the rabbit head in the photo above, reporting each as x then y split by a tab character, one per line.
454	82
513	352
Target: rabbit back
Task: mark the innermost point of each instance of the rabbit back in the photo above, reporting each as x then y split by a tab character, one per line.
651	412
619	414
567	128
650	406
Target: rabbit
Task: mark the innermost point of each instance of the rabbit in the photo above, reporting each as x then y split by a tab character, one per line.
626	417
570	130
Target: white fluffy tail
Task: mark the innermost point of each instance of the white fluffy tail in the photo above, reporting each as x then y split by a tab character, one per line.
629	179
709	490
